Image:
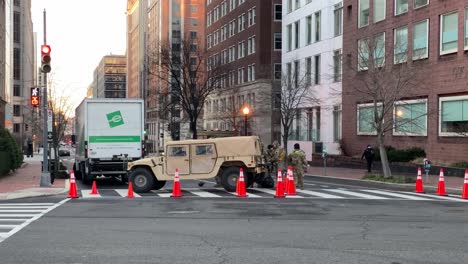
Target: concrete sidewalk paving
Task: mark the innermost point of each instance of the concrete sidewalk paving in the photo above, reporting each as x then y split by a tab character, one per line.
455	183
25	182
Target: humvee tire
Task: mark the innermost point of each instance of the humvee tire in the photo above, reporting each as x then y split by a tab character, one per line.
158	184
229	178
142	180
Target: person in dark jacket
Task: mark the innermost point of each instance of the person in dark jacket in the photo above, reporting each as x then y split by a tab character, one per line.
369	155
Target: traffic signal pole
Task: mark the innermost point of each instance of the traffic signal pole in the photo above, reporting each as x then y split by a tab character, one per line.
45	176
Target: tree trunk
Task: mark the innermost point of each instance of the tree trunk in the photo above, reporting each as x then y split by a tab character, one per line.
193	128
285	139
383	156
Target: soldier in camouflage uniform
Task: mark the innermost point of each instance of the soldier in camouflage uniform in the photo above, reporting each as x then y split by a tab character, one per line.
271	160
297	159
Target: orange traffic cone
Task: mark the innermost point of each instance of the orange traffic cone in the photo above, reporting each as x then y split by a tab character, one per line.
130	190
286	180
465	186
72	193
441	186
419	183
240	187
94	190
291	186
176	192
279	186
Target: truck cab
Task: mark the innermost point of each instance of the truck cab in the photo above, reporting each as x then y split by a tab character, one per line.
219	158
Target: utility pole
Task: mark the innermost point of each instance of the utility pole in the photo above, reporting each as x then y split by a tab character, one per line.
45	176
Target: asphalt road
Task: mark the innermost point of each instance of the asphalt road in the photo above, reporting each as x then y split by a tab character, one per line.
236	230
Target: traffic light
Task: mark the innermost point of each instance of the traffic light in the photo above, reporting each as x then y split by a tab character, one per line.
35	96
45	58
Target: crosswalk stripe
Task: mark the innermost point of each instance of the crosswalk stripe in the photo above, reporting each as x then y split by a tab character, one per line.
273	192
205	194
165	195
14	220
86	194
7	226
24	207
26	204
399	195
124	193
21	211
319	194
249	195
435	197
362	195
17	215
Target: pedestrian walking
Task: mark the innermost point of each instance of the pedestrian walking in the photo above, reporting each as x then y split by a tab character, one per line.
297	159
369	156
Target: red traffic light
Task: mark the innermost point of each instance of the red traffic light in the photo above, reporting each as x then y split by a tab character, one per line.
45	49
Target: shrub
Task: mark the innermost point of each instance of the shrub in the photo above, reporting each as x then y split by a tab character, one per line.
8	145
463	165
402	155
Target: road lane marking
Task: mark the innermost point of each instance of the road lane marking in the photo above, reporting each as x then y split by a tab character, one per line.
273	192
124	193
14	219
437	197
362	195
24	207
205	194
165	195
17	215
320	194
26	204
399	195
7	226
249	195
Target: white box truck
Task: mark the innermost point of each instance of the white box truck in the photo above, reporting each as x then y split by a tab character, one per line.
109	133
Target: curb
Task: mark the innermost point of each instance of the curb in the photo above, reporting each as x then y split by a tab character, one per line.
377	184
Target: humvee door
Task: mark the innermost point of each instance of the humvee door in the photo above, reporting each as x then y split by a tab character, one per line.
177	158
203	158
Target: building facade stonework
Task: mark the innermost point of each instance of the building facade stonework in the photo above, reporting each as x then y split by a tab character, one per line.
432	35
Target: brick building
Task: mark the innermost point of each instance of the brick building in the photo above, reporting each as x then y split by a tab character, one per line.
431	35
240	34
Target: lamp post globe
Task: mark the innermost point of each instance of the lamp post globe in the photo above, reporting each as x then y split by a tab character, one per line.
246	112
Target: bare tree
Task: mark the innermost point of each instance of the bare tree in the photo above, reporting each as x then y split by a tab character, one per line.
189	75
229	111
383	80
294	95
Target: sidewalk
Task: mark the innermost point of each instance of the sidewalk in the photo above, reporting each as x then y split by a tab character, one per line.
455	183
25	182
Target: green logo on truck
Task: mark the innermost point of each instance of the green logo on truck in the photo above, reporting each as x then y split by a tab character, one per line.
115	119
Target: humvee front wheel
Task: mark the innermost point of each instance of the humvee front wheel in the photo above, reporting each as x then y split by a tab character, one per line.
142	180
229	178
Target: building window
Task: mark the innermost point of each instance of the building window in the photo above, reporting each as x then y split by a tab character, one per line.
16	128
288	74
338	19
365	120
194	22
318	24
410	118
278	71
420	3
420	40
401	6
289	32
16	110
308	77
297	71
454	116
240	76
448	33
297	33
16	64
336	123
278	41
379	10
290	6
298	4
16	27
193	35
363	17
337	65
379	50
400	43
278	12
317	69
308	30
466	28
16	90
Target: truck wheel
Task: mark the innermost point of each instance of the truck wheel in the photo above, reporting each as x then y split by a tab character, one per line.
142	180
158	184
84	176
249	179
78	174
229	178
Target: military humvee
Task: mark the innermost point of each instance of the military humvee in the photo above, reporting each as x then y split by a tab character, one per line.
219	158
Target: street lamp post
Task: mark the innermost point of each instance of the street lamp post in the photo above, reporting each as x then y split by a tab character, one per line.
246	112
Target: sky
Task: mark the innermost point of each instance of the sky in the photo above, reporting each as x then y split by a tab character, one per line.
80	33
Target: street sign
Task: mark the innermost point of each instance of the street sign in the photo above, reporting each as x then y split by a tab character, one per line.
49	120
